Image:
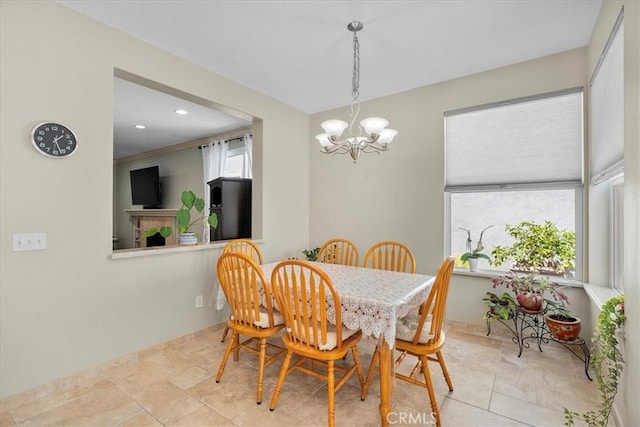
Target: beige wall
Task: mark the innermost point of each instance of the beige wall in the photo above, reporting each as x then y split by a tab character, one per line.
71	306
626	407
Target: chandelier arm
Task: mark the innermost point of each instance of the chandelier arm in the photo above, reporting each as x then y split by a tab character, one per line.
354	117
376	148
335	149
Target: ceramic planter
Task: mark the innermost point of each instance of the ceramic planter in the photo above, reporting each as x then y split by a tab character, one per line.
473	264
530	301
563	330
187	239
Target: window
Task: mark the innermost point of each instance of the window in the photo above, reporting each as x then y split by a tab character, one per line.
237	165
617	233
607	142
514	161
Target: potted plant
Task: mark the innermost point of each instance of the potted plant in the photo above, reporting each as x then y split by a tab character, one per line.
311	254
500	307
562	324
471	257
530	289
184	222
607	362
541	248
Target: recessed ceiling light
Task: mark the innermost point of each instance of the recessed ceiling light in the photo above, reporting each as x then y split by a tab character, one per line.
140	126
181	112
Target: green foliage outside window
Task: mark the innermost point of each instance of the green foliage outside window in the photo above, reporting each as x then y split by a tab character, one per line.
540	248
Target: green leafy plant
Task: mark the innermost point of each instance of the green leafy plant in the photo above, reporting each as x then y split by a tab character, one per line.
475	254
311	254
558	310
530	283
542	248
607	363
500	307
183	216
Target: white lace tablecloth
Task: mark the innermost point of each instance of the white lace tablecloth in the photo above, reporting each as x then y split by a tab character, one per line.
373	300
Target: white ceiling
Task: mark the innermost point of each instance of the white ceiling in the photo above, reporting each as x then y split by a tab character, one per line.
300	52
138	105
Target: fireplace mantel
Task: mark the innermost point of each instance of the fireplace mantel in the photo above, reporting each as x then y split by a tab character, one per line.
144	219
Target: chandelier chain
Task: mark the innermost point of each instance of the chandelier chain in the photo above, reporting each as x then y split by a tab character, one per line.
355	83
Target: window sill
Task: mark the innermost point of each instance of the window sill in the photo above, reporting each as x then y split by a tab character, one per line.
489	274
135	253
600	294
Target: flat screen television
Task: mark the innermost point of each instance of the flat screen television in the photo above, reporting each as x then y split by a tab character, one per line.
145	187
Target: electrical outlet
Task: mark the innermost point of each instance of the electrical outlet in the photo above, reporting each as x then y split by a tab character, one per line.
199	301
29	241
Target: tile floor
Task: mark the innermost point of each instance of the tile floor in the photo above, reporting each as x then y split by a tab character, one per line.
174	384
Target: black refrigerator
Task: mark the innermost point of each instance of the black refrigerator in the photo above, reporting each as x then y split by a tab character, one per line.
230	199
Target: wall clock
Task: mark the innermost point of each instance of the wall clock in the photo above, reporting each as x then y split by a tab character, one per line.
54	140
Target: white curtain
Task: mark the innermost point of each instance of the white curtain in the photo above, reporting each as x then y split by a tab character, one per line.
248	158
214	160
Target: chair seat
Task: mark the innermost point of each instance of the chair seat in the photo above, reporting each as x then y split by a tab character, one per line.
407	326
263	321
332	337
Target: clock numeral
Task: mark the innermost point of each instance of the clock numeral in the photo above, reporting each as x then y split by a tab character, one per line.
54	127
39	138
40	132
42	144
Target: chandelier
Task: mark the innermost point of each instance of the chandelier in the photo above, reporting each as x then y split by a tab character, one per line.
371	135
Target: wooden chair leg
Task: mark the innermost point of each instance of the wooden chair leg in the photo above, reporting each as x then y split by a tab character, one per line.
261	359
432	395
283	373
331	391
224	334
225	358
236	346
445	372
356	360
372	367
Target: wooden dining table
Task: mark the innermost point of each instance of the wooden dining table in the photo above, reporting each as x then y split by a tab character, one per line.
373	300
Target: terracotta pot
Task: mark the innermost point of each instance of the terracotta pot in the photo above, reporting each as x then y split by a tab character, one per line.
530	301
563	330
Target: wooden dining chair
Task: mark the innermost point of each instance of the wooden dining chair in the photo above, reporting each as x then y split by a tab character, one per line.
390	255
420	334
249	248
310	305
338	251
243	283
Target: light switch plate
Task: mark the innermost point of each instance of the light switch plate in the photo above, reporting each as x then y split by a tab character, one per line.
29	241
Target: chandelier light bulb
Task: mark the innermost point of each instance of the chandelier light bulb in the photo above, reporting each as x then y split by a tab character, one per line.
374	125
323	139
334	127
386	136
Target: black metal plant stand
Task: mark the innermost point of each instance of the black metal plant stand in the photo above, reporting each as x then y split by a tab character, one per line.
529	326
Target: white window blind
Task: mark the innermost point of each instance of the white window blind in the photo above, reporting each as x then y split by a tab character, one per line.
607	108
530	140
